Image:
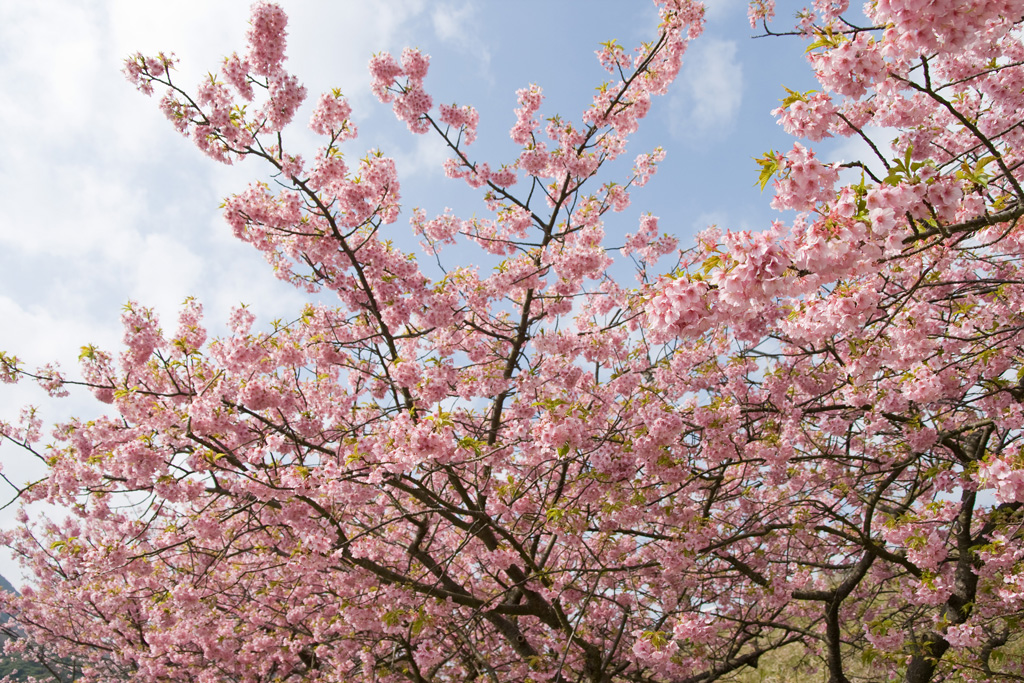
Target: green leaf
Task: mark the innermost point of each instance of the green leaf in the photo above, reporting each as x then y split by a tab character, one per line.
714	261
394	617
658	639
769	164
825	38
977	174
795	96
903	169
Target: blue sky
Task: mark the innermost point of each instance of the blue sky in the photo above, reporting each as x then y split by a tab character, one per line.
104	202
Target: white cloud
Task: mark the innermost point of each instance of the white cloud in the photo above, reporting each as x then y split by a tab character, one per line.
334	50
854	148
425	158
710	92
716	10
54	58
459	26
725	220
451	23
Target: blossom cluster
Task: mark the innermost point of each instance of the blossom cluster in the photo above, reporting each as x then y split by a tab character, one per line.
808	435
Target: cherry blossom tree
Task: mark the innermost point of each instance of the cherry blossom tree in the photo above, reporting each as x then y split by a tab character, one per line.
802	442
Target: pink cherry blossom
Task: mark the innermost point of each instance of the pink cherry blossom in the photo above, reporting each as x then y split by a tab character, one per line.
799	440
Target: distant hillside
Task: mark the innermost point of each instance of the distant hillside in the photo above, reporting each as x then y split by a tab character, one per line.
7	587
9	664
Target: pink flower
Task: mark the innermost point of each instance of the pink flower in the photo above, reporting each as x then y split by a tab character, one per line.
415	64
267	37
236	72
467	118
1007	481
383	71
330	117
529	102
805	182
680	308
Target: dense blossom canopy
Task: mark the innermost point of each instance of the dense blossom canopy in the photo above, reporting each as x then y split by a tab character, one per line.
800	442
